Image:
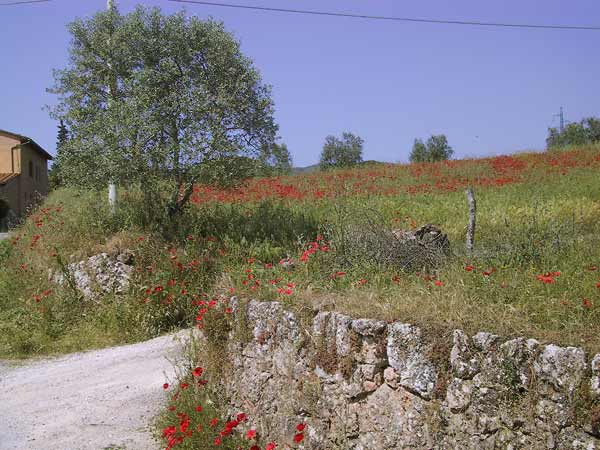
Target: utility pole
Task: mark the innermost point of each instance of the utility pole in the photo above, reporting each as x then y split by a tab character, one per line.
112	186
562	120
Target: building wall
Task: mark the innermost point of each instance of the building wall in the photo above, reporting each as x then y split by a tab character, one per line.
32	182
10	191
8	162
34	175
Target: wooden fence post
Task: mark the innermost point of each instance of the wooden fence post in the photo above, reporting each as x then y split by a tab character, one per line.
471	226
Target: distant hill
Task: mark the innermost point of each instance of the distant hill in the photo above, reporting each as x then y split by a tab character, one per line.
307	169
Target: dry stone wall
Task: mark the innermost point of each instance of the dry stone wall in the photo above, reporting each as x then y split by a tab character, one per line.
367	384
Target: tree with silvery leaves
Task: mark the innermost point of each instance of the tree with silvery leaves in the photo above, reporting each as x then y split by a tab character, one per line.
150	99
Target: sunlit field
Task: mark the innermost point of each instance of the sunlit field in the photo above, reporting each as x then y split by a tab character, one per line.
533	271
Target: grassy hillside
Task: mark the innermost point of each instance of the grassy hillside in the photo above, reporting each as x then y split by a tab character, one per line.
534	271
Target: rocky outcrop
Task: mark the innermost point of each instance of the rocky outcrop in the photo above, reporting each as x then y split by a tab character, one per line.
99	274
370	385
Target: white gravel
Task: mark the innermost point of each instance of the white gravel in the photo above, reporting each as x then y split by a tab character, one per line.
87	401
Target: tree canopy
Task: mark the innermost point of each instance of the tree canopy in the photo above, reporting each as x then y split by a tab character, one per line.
149	97
344	152
587	131
436	149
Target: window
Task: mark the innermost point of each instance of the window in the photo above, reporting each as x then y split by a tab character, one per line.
31	169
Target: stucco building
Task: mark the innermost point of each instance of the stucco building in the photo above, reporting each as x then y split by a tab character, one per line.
23	174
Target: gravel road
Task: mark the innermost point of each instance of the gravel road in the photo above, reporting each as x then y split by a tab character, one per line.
87	401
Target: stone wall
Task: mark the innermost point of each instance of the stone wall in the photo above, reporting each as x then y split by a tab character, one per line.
367	384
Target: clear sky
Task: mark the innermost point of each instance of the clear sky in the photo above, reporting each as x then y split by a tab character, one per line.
490	90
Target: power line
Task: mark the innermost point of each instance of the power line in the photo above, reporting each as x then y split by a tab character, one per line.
24	2
398	19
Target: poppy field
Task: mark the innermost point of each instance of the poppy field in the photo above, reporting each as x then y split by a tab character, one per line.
534	272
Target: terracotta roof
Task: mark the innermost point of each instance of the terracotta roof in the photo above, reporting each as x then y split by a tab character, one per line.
6	177
26	140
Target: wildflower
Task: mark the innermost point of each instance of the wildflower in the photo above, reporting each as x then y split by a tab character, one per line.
198	372
217	440
241	417
271	446
169	431
229	310
299	437
362	282
213	422
337	275
548	277
166	386
469	268
438	283
300	427
251	434
198	408
587	303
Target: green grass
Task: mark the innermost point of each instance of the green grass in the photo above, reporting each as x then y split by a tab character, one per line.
537	213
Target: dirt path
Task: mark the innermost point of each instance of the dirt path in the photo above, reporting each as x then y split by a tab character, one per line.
87	401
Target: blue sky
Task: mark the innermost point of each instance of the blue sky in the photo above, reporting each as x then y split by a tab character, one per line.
490	90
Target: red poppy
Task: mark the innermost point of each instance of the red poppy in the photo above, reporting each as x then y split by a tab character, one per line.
299	437
169	431
198	408
469	268
217	440
213	422
587	303
271	446
166	386
251	434
301	426
438	283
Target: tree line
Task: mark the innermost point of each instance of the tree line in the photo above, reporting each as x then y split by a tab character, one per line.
347	151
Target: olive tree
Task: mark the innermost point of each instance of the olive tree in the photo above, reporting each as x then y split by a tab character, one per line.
344	152
153	99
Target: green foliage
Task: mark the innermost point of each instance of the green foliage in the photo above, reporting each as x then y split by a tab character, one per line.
579	133
436	149
344	152
276	160
419	152
55	173
150	97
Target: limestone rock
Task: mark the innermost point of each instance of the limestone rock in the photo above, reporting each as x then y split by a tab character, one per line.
562	367
407	352
595	382
99	274
462	358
